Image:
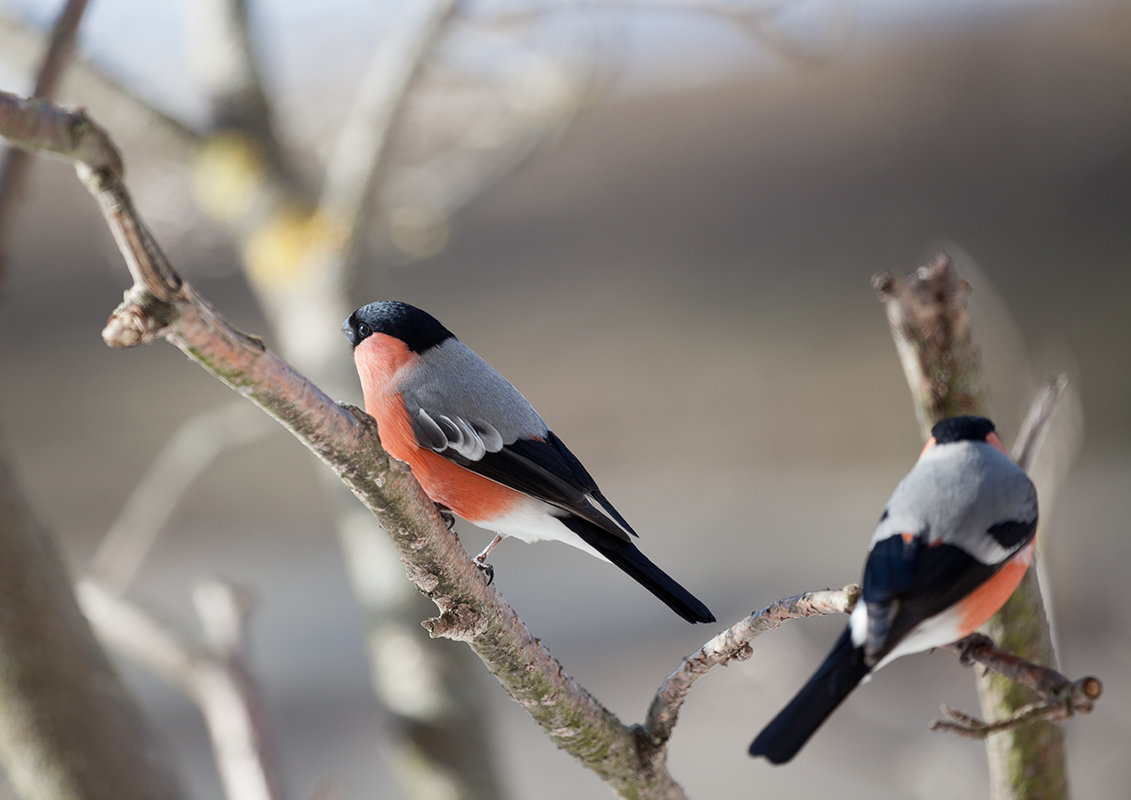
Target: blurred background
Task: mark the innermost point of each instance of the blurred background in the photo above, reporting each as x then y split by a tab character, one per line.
670	256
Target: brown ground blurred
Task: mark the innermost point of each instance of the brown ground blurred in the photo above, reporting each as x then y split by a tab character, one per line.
682	290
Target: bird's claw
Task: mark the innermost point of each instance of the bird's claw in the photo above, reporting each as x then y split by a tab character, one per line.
487	570
447	516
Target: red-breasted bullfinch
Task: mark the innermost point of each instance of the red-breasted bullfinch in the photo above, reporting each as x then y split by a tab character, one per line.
951	546
480	450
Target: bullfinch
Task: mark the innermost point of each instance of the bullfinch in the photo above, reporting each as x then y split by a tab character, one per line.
951	546
480	450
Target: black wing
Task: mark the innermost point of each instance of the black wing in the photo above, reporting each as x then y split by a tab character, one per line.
542	468
909	580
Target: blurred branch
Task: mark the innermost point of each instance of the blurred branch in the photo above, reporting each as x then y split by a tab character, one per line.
161	304
68	728
733	644
21	47
195	446
760	20
13	171
214	674
360	157
1061	697
224	59
931	328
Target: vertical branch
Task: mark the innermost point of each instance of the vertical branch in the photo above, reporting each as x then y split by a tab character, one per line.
931	327
14	170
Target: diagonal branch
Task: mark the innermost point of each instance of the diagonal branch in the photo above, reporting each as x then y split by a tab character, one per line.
198	442
161	304
214	673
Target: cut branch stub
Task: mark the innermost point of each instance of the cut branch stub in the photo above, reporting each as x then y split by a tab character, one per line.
931	327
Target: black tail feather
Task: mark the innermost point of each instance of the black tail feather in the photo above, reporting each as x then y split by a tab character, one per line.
625	555
840	673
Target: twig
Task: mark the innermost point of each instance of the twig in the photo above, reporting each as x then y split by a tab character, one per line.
346	439
734	644
60	47
213	674
196	445
1036	422
1061	697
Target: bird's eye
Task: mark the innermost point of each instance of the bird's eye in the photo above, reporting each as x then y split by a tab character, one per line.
363	330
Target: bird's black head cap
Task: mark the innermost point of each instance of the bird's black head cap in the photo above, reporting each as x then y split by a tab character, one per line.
962	429
418	329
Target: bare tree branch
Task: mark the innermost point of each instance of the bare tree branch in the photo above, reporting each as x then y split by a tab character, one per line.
214	674
360	157
734	644
1061	697
195	446
68	728
13	172
161	304
931	328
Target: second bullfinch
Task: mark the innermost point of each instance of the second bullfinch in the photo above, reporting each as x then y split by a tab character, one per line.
951	546
480	450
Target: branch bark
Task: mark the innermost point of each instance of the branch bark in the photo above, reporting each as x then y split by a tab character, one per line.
931	327
733	644
160	304
1060	696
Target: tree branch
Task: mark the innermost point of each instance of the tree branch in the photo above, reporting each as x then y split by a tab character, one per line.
734	644
13	172
68	728
1061	697
161	304
198	442
931	328
214	674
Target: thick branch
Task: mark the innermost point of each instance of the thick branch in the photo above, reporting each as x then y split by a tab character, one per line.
346	439
68	729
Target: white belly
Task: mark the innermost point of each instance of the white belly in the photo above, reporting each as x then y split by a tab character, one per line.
533	521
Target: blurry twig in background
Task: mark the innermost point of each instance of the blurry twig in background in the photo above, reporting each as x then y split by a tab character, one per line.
13	171
192	449
931	327
213	673
68	727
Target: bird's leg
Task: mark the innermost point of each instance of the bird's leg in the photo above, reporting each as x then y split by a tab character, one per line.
971	643
481	559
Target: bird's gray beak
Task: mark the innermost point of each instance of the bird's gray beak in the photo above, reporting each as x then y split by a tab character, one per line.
350	333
